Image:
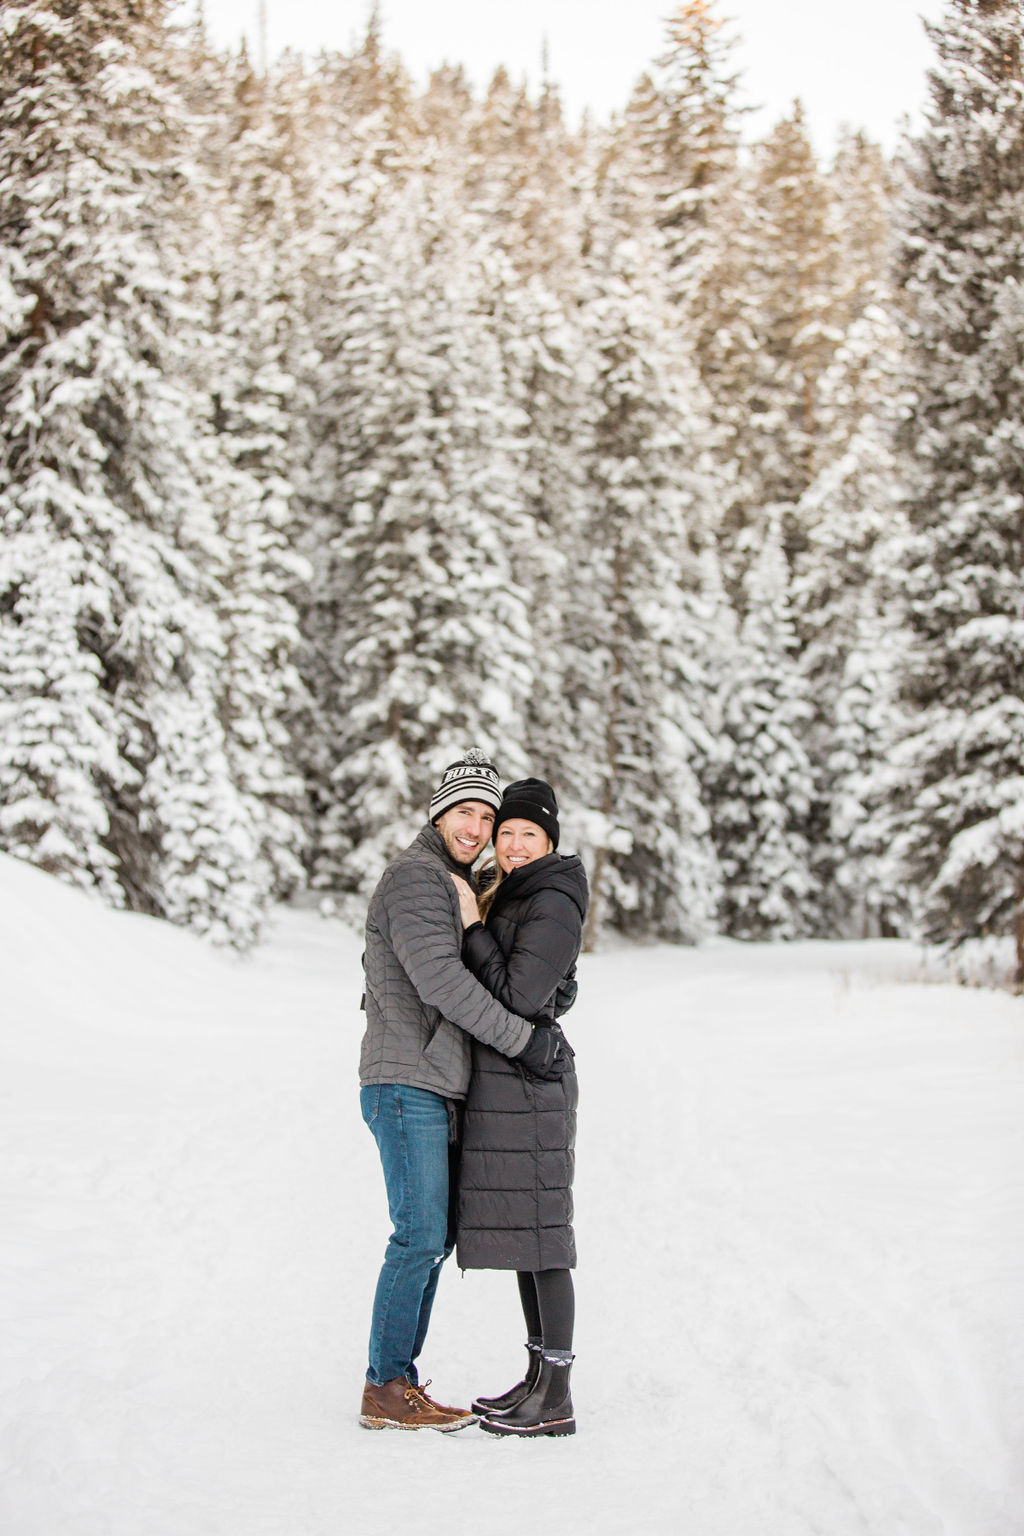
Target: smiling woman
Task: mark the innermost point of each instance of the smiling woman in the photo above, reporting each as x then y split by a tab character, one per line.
519	842
526	828
515	1181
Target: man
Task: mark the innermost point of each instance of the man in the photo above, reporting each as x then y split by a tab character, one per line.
422	1005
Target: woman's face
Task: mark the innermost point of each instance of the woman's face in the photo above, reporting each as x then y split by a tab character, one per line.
520	842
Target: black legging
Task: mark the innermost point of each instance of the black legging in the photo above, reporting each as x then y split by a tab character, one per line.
549	1305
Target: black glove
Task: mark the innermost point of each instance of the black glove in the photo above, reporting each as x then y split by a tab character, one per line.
565	995
544	1054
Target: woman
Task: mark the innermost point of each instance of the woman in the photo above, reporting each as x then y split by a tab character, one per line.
515	1179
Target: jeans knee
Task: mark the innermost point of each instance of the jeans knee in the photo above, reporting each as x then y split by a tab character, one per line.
421	1245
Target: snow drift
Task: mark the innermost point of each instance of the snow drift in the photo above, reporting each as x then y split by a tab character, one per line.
800	1198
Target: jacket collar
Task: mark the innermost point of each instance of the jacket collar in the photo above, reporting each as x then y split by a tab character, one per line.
554	871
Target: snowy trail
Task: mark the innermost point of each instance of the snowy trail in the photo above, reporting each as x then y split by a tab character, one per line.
800	1203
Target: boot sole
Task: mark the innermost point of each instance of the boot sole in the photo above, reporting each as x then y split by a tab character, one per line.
551	1427
445	1429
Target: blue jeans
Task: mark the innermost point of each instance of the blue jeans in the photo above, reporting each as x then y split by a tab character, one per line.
410	1127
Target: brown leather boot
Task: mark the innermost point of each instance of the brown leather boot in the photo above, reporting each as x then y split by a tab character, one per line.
400	1405
460	1413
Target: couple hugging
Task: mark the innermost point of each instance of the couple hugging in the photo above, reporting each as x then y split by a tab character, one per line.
469	1088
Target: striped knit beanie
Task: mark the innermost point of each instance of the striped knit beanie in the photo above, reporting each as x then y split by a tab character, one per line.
471	778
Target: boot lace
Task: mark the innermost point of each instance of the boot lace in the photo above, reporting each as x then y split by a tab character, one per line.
417	1397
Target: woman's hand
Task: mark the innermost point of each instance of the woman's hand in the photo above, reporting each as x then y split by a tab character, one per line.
468	908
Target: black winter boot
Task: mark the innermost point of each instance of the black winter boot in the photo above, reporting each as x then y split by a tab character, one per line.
547	1409
514	1394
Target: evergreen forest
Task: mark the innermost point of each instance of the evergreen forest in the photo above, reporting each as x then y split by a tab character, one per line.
347	423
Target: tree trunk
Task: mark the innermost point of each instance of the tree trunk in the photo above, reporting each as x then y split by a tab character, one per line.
1019	932
611	751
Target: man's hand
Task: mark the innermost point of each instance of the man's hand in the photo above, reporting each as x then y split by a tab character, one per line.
545	1055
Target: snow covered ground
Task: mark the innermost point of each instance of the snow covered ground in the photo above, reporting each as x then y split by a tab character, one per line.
800	1219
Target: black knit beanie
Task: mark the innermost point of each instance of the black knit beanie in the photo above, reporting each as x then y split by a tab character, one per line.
471	778
530	800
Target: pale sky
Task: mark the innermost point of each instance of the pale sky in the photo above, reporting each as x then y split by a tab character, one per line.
861	63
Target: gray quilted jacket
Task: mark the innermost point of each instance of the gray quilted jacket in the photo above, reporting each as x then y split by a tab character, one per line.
422	1004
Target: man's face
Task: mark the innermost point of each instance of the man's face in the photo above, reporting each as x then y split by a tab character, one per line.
466	829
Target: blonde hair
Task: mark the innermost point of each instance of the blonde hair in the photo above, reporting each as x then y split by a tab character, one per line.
484	900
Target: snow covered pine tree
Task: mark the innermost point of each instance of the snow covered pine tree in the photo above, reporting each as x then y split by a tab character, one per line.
957	787
120	600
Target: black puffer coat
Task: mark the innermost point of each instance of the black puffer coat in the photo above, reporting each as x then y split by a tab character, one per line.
515	1180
